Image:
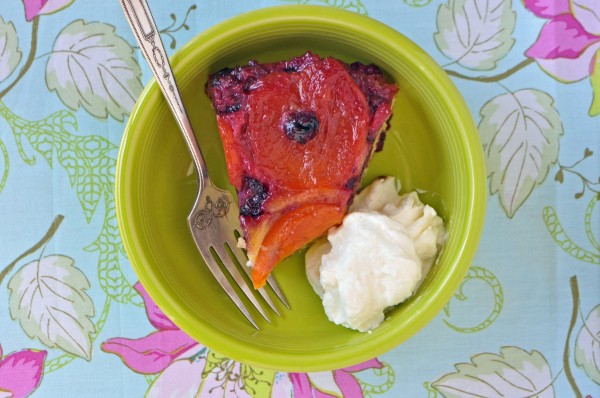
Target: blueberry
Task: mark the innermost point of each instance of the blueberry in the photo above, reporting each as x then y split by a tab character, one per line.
252	197
352	183
300	126
359	67
217	79
226	91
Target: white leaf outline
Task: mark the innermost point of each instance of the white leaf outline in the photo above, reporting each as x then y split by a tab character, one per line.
587	345
10	54
473	36
90	66
519	154
48	298
494	376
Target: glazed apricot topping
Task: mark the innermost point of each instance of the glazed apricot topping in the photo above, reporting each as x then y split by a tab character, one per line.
297	137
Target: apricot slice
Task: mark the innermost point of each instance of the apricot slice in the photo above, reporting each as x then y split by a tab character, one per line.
297	136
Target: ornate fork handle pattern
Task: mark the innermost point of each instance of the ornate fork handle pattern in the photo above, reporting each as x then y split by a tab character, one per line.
204	218
143	26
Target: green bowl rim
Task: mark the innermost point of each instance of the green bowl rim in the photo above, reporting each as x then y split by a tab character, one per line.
462	118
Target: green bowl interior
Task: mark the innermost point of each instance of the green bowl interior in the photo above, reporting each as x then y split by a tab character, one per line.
432	145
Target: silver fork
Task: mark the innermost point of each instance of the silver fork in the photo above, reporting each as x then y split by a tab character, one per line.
211	221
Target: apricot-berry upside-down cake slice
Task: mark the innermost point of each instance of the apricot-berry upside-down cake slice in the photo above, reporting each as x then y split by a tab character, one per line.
297	137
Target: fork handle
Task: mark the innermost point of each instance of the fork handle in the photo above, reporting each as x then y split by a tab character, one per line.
147	35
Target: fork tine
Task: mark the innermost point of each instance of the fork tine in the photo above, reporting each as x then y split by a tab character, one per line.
220	277
235	274
277	290
237	252
270	280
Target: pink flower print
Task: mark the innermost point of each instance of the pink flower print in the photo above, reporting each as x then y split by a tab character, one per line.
341	382
568	42
20	372
33	8
547	8
182	378
184	369
153	353
180	360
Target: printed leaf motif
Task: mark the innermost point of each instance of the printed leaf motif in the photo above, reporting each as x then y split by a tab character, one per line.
562	239
587	346
91	160
385	378
417	3
84	158
595	82
4	165
93	67
487	277
513	373
475	34
48	298
520	133
10	55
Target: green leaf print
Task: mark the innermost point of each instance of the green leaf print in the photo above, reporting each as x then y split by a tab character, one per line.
10	55
520	133
386	378
482	274
90	164
54	364
91	66
587	184
4	165
560	236
595	82
57	363
48	297
513	373
587	346
417	3
170	30
86	159
350	5
475	35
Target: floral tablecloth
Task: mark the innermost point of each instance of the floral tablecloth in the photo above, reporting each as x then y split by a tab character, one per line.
74	322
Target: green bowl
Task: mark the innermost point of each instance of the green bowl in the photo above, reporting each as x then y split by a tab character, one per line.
432	146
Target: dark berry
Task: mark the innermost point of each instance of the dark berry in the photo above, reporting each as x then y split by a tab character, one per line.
226	91
300	126
217	79
360	68
251	197
371	82
352	183
297	64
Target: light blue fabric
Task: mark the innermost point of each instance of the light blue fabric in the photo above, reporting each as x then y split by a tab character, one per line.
511	319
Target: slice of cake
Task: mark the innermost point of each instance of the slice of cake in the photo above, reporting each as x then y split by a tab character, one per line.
297	137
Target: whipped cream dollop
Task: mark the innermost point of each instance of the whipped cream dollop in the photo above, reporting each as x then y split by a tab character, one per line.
378	256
